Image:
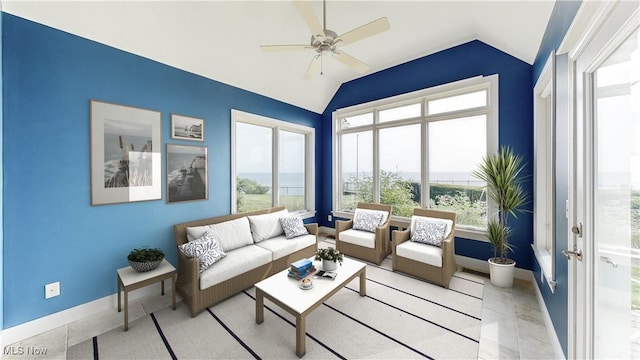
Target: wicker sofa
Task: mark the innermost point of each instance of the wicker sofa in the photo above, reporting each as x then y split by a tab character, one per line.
243	266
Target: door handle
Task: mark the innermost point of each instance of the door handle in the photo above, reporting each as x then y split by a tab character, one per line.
609	261
570	253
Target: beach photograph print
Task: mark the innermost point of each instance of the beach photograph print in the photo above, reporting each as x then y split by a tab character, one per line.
187	176
125	154
187	128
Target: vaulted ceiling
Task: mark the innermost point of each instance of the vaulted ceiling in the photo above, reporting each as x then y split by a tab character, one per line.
221	40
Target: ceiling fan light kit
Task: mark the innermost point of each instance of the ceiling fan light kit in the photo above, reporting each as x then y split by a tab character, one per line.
324	41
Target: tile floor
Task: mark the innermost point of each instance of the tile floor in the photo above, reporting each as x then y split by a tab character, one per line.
512	326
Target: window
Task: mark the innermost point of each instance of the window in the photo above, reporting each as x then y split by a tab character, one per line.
544	135
272	165
419	150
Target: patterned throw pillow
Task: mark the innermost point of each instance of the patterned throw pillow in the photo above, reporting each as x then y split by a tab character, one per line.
367	221
429	232
206	249
293	227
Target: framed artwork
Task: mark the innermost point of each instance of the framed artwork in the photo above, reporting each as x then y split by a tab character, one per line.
126	154
187	173
187	128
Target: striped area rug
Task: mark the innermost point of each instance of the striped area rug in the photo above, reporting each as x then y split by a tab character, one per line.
401	317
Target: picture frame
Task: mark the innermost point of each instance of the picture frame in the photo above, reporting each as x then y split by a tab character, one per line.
126	153
187	128
187	173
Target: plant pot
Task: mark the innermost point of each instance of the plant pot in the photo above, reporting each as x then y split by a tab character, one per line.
501	274
329	265
144	266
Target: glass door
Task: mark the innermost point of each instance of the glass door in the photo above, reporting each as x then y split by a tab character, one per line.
605	311
616	200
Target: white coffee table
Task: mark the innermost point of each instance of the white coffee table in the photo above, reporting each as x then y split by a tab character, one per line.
286	293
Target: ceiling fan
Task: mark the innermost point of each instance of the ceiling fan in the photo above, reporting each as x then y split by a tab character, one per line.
327	41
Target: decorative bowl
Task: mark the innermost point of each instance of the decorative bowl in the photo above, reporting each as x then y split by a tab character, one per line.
144	266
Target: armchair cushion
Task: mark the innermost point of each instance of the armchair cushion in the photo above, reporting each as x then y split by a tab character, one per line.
429	232
266	226
206	249
293	227
358	237
369	220
423	253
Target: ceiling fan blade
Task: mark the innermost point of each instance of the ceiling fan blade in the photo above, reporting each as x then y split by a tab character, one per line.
284	47
364	31
312	70
350	61
309	16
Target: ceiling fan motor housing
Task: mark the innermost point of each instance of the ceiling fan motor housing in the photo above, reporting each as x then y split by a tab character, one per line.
324	43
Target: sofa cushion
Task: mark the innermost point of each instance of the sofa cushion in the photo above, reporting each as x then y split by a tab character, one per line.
230	234
281	246
237	262
358	237
206	249
429	232
293	226
266	226
423	253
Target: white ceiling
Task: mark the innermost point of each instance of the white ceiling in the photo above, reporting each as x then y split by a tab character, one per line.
220	39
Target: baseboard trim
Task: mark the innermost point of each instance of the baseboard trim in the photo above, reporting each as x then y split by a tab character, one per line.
38	326
555	342
483	266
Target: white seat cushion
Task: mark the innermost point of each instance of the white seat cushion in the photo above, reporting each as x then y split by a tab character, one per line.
359	237
423	253
281	246
237	262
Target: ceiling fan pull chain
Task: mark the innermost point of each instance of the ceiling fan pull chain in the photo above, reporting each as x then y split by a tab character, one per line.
321	65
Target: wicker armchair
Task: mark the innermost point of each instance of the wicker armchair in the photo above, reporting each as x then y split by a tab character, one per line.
369	246
428	262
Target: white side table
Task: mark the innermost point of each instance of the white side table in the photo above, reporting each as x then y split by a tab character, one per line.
129	279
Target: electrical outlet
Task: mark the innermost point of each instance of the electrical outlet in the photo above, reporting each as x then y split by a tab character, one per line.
329	218
52	290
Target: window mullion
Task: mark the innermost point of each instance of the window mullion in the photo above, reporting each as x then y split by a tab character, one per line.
376	158
275	173
424	162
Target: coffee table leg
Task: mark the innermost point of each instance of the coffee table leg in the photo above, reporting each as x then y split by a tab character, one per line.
363	282
301	332
259	306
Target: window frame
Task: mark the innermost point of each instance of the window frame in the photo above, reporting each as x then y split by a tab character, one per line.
491	110
544	172
276	126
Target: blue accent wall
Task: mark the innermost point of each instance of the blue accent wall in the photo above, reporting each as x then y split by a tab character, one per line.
557	303
464	61
51	231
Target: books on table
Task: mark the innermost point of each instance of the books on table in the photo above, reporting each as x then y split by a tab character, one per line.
301	268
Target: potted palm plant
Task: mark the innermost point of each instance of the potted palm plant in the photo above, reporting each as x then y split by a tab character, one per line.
503	174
